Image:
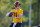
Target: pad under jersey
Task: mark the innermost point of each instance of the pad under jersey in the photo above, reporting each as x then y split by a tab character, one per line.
16	14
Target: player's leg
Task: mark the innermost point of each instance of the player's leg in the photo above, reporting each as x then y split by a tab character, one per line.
14	24
11	25
18	25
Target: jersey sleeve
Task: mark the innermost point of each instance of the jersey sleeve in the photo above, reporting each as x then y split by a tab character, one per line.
12	10
21	12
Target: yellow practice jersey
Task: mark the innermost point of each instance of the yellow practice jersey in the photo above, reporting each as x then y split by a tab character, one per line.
16	14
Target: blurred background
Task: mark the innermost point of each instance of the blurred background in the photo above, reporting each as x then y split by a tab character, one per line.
7	5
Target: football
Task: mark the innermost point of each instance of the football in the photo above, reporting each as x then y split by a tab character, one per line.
10	15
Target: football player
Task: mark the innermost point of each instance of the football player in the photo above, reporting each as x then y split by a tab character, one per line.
17	14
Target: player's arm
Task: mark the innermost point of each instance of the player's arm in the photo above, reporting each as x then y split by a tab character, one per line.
20	15
9	14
